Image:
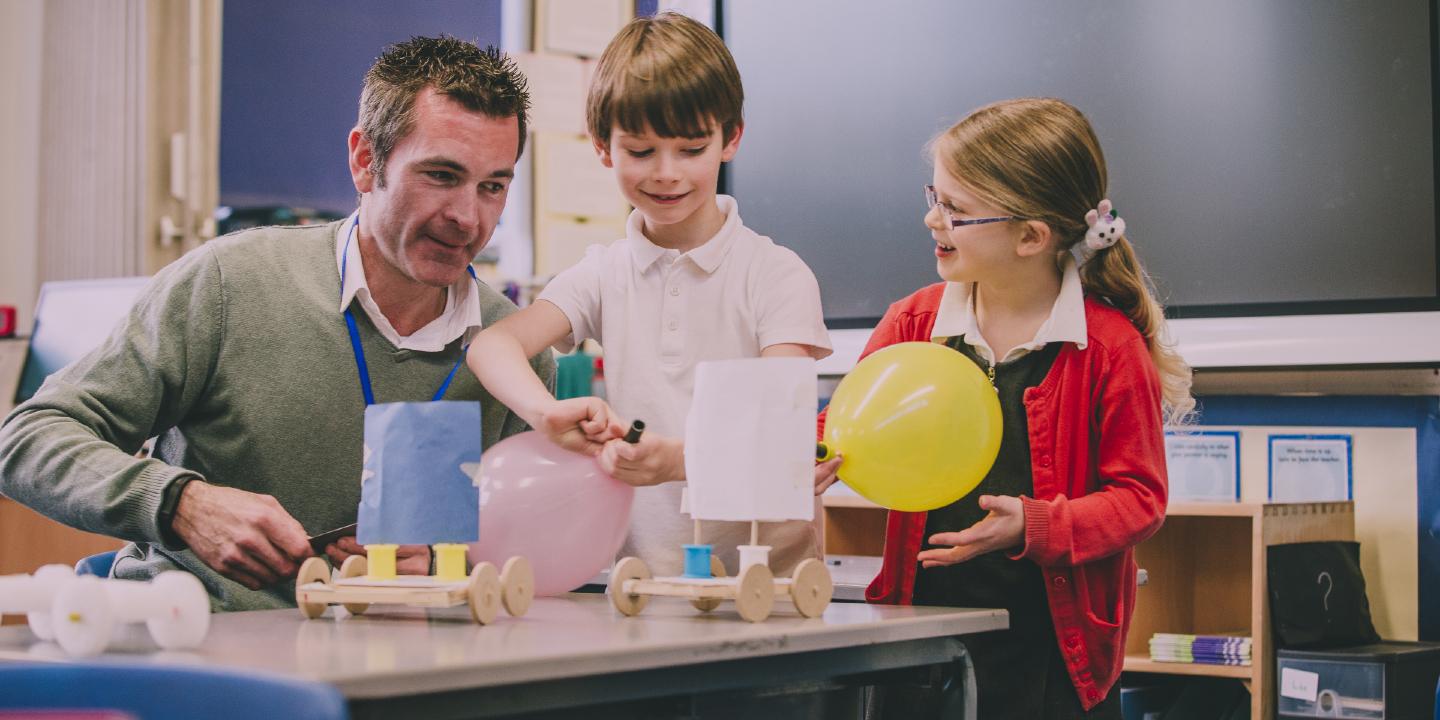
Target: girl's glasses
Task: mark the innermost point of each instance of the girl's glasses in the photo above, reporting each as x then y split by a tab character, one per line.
931	200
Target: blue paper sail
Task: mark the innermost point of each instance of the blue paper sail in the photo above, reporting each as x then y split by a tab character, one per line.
420	485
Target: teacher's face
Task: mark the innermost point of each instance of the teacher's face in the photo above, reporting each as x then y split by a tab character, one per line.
444	189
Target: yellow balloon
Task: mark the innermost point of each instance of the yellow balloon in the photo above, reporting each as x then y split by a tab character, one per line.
918	424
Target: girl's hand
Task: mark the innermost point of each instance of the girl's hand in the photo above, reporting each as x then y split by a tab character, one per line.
581	425
1003	528
825	473
655	459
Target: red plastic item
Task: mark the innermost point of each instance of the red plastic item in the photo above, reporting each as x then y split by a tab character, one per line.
7	321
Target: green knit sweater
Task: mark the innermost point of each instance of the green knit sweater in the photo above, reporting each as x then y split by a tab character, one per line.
238	357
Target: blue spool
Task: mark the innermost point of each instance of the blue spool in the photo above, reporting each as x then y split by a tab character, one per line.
697	561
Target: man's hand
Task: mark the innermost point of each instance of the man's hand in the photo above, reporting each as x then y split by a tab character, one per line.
1002	529
825	473
653	460
409	559
581	425
246	537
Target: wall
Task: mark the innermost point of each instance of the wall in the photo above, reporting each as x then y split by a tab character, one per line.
290	90
1383	461
21	36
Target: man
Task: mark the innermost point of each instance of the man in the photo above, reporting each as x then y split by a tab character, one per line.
240	357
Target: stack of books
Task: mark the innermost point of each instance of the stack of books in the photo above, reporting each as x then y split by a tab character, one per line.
1206	649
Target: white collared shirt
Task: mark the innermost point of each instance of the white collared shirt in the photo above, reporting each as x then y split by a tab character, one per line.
956	317
462	300
665	312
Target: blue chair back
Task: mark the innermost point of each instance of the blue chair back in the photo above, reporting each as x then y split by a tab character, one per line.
97	564
152	692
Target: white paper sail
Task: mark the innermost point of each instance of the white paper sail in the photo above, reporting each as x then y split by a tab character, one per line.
750	440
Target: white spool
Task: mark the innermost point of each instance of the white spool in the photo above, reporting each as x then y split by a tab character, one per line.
754	555
82	615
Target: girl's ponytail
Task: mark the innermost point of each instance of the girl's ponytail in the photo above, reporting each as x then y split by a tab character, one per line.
1115	274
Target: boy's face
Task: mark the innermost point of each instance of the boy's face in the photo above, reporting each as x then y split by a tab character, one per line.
668	179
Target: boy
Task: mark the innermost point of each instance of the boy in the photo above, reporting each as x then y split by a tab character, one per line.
688	283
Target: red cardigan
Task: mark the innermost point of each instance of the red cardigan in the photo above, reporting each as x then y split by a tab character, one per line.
1098	455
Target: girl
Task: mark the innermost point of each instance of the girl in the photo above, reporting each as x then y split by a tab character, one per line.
1085	382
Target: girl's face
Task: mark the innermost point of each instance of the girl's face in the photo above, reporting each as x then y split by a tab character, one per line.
970	253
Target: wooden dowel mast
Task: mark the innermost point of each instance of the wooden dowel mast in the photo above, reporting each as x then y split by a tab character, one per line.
754	532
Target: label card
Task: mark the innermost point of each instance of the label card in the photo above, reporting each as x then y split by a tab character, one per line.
1204	466
1299	684
1310	468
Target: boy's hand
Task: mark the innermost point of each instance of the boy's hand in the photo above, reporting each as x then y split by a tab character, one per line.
1003	528
825	473
409	559
653	460
581	425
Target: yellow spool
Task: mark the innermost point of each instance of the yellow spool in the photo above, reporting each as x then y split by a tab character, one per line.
381	559
449	561
918	424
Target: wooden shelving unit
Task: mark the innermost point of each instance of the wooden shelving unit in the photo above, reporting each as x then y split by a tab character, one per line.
1206	575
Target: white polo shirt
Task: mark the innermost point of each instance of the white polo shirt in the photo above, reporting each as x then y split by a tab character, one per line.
658	313
461	317
956	317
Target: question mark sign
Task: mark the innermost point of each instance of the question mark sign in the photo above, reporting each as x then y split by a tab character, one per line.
1326	576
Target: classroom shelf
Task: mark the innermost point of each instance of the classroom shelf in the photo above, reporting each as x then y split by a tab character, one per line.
1206	575
1143	663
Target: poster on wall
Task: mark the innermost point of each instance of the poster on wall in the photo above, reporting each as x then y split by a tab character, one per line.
1311	468
1203	465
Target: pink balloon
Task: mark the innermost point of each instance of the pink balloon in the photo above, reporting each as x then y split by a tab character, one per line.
555	508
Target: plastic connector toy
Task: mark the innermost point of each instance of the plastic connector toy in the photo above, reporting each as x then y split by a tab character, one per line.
80	613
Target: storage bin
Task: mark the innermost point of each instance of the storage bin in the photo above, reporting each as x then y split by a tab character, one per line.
1386	681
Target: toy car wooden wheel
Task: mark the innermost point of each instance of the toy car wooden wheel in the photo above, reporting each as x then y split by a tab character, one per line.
630	568
755	594
355	566
485	593
82	617
311	571
717	569
517	582
810	587
182	617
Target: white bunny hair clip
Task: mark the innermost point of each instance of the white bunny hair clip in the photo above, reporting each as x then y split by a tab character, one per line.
1105	227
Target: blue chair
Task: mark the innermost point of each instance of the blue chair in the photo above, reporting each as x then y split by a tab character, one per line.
168	693
98	565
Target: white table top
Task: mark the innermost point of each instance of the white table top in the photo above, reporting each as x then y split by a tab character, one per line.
393	651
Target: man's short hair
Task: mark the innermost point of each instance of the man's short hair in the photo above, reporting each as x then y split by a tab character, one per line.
482	81
669	73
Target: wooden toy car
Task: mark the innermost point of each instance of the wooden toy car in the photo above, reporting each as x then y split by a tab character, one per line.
753	590
485	591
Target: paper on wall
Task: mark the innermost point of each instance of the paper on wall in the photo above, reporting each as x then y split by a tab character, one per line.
750	440
557	85
575	182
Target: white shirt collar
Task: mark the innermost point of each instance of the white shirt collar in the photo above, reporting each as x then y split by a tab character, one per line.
461	317
707	256
956	317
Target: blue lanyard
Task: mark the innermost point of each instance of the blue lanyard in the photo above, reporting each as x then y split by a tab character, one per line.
360	352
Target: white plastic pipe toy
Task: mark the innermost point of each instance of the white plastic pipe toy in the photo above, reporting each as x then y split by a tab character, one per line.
174	607
33	595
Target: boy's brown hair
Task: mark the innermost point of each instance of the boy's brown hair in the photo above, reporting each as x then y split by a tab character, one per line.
669	73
